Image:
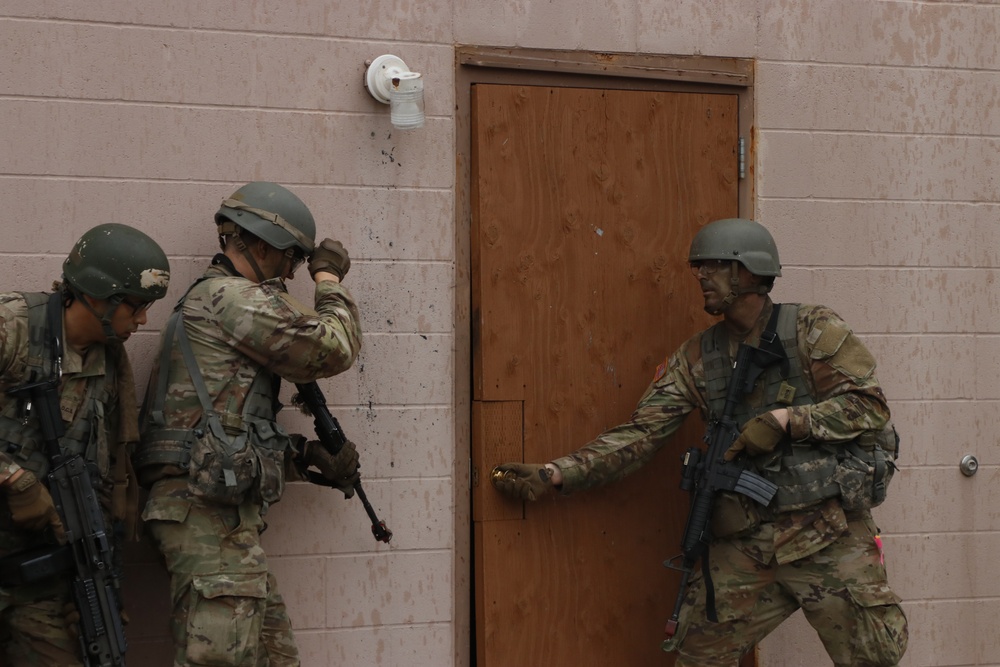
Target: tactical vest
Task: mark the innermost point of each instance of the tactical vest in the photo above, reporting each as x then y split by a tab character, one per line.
20	433
806	473
227	456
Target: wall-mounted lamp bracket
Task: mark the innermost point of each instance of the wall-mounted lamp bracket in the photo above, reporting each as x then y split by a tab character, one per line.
380	73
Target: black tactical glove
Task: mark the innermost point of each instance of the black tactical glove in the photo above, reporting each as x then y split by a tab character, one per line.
760	436
341	470
31	506
524	481
330	256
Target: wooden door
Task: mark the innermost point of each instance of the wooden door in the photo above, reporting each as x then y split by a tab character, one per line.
584	203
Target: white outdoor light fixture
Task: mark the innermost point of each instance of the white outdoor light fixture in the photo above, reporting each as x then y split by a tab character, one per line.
390	82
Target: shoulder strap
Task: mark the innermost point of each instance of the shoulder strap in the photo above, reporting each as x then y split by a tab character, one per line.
44	316
42	387
770	340
155	409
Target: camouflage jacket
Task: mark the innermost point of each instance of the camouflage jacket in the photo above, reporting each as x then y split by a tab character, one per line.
236	327
847	401
117	415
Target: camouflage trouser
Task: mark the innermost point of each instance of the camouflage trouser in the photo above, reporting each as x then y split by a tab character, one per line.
227	610
33	627
33	617
842	590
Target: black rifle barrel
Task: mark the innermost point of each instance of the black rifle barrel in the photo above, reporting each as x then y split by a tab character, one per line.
332	437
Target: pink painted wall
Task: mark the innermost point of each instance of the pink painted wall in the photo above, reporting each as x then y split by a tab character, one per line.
877	135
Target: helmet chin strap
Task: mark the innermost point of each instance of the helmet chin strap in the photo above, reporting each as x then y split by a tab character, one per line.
735	291
105	319
249	257
227	229
734	285
230	229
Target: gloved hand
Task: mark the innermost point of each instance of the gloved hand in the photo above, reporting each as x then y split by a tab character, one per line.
525	481
330	256
31	506
342	470
760	436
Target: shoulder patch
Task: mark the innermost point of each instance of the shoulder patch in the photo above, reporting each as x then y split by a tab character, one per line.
828	340
661	370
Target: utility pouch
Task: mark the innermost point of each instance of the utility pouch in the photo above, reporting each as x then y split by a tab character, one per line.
865	469
222	466
270	441
732	514
37	564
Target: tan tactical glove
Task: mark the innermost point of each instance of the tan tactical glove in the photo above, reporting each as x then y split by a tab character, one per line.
524	481
760	436
330	256
31	506
341	470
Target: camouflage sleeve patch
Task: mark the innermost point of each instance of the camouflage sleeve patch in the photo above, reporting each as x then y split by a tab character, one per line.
841	374
837	345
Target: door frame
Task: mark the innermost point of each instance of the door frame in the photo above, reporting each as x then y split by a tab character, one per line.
551	67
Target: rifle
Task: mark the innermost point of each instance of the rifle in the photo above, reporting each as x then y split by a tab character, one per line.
88	553
705	473
332	437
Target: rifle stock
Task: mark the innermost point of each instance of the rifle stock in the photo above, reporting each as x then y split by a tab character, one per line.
333	439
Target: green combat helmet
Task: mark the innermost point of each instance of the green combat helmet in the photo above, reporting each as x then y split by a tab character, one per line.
112	262
271	213
738	239
743	241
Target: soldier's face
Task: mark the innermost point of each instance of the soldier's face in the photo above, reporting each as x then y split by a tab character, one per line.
714	278
128	317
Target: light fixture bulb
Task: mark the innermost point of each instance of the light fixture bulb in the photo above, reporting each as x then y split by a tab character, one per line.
390	82
406	101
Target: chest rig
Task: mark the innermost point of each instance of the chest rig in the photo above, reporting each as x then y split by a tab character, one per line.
806	473
20	431
226	455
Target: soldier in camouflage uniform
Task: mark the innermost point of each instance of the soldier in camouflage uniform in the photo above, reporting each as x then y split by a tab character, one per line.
111	277
211	451
816	425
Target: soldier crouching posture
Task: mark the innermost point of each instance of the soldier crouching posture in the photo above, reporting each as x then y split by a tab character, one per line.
815	425
73	338
211	450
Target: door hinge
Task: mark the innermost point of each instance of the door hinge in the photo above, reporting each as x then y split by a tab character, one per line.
741	154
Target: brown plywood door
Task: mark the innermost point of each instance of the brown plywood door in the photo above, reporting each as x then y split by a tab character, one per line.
584	204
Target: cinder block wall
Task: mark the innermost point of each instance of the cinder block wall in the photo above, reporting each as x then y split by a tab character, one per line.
875	165
879	134
152	113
